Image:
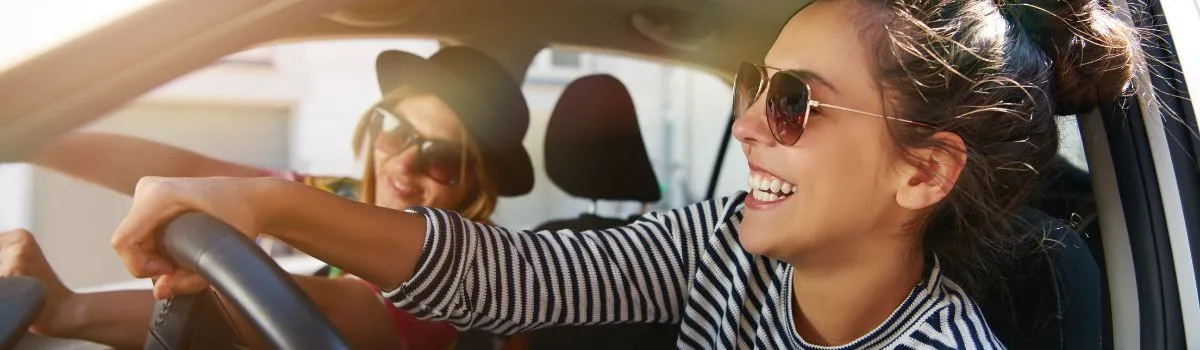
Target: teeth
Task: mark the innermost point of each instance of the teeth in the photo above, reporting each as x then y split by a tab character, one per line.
769	188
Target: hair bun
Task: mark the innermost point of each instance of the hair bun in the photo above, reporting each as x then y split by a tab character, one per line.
1093	52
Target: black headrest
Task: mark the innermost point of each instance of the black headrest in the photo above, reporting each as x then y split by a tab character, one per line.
594	146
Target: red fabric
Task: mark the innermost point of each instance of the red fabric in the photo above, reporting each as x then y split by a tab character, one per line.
416	333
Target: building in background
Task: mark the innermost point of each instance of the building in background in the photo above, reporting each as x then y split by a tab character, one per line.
294	106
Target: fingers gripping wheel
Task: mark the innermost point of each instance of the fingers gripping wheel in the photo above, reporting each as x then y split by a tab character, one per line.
269	298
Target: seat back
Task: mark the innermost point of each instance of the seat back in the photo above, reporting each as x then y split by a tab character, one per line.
594	150
1053	296
594	146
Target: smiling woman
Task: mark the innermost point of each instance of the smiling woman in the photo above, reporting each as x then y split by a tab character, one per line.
447	134
933	121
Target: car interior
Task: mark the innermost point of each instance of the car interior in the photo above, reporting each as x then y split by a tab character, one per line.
1059	299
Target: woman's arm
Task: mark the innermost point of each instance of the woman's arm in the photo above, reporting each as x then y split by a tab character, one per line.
352	306
121	318
117	162
439	266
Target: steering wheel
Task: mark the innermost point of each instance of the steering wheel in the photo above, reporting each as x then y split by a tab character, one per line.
21	300
271	300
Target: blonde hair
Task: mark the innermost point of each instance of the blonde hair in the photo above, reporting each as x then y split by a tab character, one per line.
482	195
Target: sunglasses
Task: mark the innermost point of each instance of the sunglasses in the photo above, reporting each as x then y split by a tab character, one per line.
788	100
442	160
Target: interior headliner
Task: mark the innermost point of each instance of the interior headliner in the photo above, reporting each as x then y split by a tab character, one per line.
98	72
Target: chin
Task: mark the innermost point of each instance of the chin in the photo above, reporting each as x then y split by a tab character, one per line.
757	237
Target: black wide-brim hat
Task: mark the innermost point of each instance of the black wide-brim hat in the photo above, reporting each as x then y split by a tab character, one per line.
487	99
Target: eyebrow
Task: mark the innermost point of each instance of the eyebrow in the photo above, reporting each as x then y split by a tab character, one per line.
807	76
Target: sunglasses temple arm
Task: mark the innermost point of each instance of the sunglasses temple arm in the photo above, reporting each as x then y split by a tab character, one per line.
815	104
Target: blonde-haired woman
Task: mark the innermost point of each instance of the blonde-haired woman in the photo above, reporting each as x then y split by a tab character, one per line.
446	134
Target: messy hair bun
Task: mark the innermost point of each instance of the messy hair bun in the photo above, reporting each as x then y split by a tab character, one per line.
995	74
1090	50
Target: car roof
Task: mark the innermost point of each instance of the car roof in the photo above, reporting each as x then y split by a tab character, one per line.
101	70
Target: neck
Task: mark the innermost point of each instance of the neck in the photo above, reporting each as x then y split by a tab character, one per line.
841	295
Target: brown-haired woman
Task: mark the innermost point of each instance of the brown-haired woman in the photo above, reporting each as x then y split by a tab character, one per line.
889	143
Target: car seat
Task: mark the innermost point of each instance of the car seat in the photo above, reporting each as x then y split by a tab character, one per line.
1052	296
594	150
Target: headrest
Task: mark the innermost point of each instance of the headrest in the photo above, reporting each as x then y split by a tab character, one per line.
594	146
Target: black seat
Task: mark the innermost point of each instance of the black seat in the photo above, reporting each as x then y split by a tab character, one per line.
1053	296
594	150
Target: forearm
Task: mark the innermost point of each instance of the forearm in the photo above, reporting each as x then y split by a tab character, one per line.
355	310
377	244
119	319
117	162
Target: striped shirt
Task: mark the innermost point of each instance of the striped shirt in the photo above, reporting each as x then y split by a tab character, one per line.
683	266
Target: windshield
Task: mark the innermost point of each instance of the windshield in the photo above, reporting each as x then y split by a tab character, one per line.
33	27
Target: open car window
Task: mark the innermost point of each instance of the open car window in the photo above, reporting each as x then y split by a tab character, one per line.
45	24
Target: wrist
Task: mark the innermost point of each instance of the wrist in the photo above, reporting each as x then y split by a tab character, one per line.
63	319
269	196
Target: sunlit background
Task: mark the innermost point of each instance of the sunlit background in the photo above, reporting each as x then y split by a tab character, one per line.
293	107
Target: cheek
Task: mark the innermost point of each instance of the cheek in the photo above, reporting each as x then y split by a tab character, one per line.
840	188
443	196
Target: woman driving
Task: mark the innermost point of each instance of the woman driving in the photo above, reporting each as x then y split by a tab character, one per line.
889	143
446	134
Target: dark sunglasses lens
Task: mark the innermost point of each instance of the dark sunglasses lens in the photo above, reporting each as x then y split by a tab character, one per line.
442	161
787	107
745	87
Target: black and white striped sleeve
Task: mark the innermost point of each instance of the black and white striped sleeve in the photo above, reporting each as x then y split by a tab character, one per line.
482	277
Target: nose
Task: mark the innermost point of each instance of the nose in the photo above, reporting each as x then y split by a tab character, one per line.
751	128
406	162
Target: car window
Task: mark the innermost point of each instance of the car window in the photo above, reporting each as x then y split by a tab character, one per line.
682	114
287	106
45	24
1070	145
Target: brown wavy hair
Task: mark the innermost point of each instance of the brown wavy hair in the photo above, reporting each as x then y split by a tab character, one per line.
996	74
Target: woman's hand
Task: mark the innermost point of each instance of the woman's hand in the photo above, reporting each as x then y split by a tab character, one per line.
20	255
156	201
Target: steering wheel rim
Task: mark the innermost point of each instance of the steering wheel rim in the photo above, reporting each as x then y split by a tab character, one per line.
268	297
21	300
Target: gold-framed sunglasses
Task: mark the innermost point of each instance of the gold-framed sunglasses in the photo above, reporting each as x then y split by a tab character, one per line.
788	100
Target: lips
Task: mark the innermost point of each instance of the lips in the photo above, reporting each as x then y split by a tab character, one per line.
401	190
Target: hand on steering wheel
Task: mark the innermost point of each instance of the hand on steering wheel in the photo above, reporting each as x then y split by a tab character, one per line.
20	255
156	201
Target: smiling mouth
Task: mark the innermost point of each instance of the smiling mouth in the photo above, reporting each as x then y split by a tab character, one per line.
769	189
399	189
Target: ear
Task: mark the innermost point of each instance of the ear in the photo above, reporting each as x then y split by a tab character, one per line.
933	176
